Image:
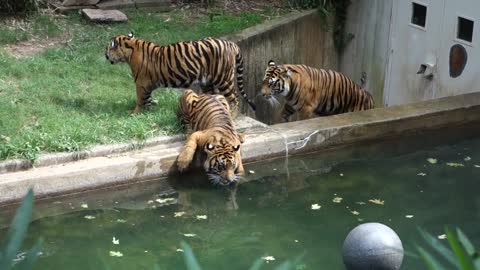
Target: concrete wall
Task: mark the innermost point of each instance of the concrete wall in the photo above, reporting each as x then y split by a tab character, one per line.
298	38
369	21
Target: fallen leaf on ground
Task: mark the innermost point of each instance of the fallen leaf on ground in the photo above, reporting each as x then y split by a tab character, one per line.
355	213
337	200
116	253
409	216
201	217
360	203
179	250
268	258
178	214
467	158
189	235
341	174
115	241
316	206
121	220
421	174
442	236
84	205
454	164
476	166
377	201
251	172
432	160
165	200
89	217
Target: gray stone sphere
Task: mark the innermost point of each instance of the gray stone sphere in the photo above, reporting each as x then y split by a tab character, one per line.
372	246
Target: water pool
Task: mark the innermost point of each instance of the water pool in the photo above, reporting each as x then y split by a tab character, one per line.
271	214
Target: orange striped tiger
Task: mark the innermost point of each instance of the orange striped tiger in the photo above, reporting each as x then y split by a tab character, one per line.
313	92
209	125
213	62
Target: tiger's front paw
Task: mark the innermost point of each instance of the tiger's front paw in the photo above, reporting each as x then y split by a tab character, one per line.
182	163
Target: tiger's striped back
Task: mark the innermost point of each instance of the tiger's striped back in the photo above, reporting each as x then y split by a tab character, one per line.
214	63
314	92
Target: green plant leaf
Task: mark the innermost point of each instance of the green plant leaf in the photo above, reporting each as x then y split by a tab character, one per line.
257	264
287	265
189	257
469	248
438	247
17	231
458	250
31	256
429	260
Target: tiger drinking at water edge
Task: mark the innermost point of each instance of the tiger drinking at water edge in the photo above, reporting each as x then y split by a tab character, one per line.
210	129
215	63
313	92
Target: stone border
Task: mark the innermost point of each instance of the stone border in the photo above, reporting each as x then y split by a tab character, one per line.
261	142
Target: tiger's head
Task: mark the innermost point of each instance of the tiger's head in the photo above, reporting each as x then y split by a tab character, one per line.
277	80
223	164
120	48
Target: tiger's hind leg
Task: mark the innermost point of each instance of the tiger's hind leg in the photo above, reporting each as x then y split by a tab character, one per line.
144	99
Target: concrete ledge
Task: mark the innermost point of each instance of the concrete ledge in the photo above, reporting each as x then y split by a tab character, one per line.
261	142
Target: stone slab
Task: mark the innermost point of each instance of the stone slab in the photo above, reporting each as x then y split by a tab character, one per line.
67	3
101	15
261	143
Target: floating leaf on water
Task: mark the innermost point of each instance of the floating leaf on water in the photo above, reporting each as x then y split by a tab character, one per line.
377	201
409	216
251	172
179	250
165	200
89	217
467	158
178	214
121	221
115	241
337	200
316	206
84	205
454	164
115	253
432	160
442	236
360	203
268	258
189	235
421	174
355	213
201	217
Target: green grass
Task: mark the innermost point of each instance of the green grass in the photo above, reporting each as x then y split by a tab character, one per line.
70	97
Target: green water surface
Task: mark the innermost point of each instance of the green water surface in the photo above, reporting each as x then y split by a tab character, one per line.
270	215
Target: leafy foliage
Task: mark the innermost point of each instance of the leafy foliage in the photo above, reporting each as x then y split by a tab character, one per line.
15	7
462	255
15	236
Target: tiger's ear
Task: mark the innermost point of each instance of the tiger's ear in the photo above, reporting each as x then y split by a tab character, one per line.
289	72
130	35
271	63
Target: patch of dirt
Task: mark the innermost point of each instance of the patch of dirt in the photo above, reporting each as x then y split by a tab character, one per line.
34	46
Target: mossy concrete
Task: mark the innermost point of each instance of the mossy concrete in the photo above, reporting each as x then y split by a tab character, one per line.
262	142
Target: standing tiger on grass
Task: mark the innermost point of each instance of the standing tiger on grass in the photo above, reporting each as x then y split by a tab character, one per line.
213	62
313	92
207	120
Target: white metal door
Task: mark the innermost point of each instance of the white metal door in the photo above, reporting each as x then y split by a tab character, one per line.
461	28
414	44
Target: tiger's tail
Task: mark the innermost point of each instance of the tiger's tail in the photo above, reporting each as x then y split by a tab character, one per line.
239	66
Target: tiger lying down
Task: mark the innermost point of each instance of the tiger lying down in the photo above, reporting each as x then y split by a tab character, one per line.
210	129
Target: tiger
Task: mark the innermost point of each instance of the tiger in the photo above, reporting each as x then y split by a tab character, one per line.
214	63
210	128
313	92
